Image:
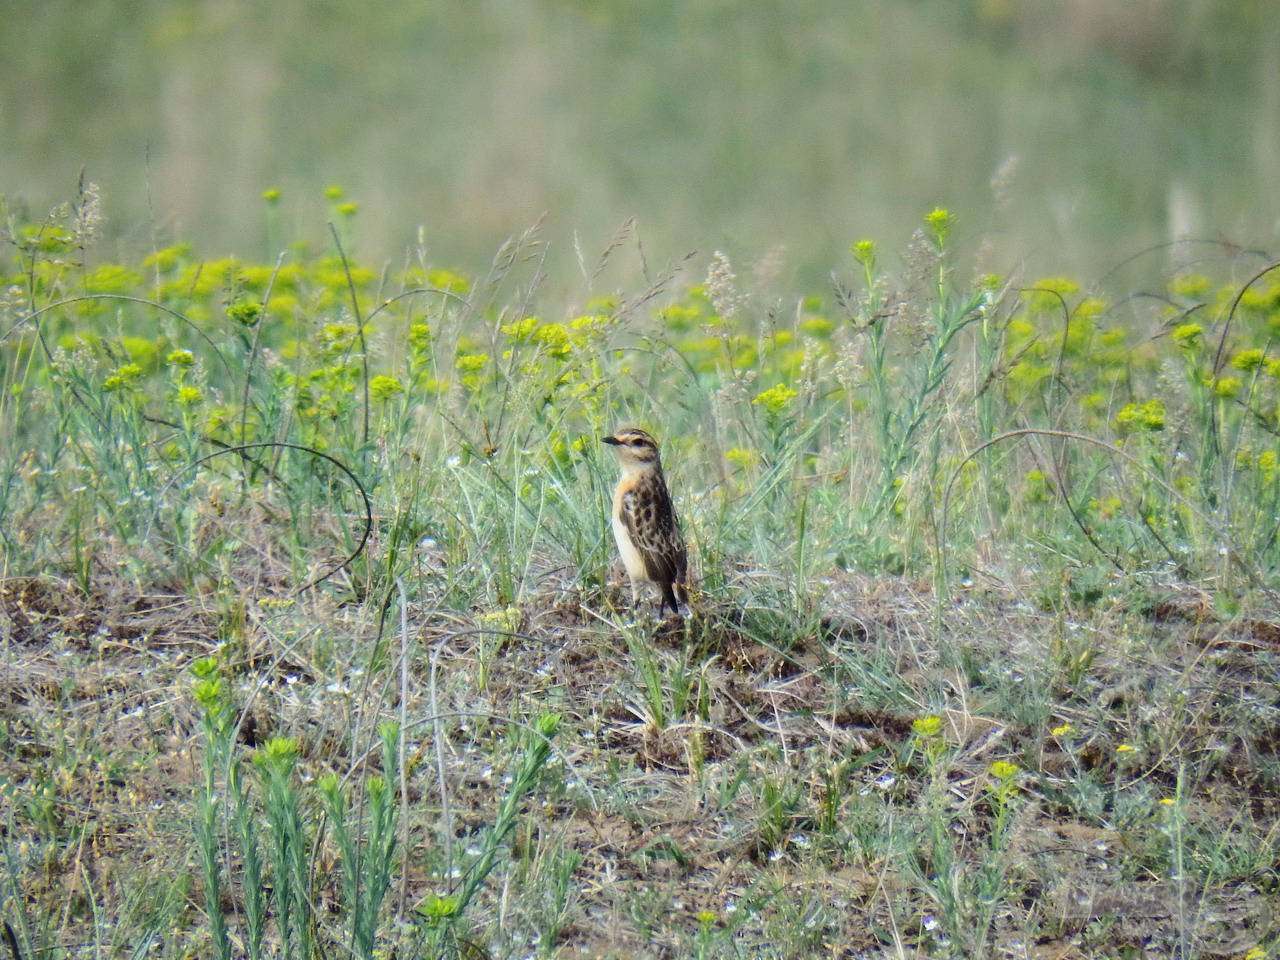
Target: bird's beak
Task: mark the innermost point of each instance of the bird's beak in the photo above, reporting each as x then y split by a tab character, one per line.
612	441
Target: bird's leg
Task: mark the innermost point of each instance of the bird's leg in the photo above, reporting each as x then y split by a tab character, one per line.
667	598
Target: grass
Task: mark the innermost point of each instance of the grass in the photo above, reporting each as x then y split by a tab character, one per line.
313	640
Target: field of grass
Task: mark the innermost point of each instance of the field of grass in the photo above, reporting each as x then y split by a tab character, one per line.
313	641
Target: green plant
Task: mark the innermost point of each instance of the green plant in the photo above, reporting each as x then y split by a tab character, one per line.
367	869
277	820
442	918
958	854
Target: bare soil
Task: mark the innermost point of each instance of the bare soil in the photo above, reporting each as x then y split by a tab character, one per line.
662	824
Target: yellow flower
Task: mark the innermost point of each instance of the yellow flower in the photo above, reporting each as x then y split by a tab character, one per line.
436	908
507	620
1226	387
1125	748
1188	334
189	396
1267	463
1004	770
775	399
520	329
337	336
1090	309
590	322
1061	731
940	221
383	388
124	377
1248	359
929	726
556	338
420	335
1145	416
470	366
245	312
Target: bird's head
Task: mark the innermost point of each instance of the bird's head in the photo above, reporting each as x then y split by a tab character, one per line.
634	448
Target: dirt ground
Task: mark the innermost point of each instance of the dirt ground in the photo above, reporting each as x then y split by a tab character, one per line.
752	794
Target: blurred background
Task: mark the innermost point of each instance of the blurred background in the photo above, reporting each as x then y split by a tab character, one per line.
1065	135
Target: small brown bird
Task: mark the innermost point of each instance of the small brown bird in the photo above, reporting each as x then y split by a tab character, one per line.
645	523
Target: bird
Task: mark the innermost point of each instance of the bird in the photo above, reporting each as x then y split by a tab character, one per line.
645	524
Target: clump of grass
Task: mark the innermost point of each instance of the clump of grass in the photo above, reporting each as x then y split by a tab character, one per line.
275	822
442	918
275	830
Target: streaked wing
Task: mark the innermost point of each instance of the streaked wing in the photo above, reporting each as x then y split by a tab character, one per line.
651	521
